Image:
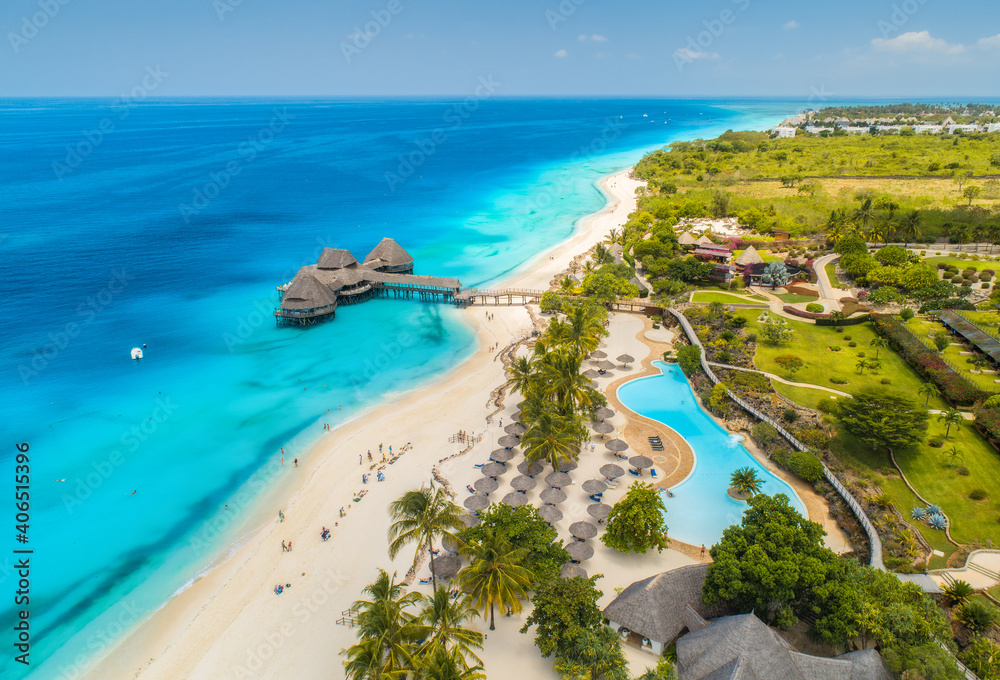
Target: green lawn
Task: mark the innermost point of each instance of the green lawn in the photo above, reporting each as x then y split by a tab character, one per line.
980	265
807	396
727	298
932	474
810	343
792	298
831	272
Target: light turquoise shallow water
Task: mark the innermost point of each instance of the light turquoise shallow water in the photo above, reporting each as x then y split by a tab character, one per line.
700	509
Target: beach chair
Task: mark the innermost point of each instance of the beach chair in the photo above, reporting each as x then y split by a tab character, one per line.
633	472
652	471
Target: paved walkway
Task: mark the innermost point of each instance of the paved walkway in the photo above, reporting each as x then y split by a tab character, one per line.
778	378
827	290
981	571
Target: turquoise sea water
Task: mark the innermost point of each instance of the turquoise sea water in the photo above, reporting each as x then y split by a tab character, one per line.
700	509
170	224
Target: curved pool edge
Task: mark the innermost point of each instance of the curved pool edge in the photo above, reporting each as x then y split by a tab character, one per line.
694	454
700	419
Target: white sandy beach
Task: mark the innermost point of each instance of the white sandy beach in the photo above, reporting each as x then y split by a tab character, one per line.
230	624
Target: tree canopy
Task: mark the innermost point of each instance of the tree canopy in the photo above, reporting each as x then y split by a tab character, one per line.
636	522
884	417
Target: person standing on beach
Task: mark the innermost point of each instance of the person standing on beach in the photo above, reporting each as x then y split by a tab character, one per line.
360	460
284	548
281	516
296	461
369	455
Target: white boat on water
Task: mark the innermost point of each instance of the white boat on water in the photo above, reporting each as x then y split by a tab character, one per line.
136	353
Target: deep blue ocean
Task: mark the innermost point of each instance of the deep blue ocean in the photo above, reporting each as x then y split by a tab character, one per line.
168	224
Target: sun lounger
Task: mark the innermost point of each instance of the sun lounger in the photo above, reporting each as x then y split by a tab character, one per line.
652	471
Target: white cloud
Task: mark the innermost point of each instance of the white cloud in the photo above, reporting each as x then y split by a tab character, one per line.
990	42
922	43
562	54
791	25
633	55
595	37
688	54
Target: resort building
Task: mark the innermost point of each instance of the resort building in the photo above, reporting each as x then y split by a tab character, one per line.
338	278
687	239
712	645
750	256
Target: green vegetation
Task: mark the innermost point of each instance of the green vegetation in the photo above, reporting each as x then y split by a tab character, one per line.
496	575
727	298
884	417
774	564
419	517
745	481
792	298
636	522
812	344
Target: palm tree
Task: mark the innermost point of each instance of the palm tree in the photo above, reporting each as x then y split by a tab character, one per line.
560	375
446	634
837	317
444	666
963	233
878	343
836	226
745	481
931	390
387	631
588	268
954	454
876	232
419	517
521	373
584	330
909	227
566	284
593	654
864	215
993	234
958	591
614	235
950	417
495	576
861	365
602	255
552	436
875	365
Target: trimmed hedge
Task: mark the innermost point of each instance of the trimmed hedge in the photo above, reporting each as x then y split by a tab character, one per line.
853	321
954	387
805	315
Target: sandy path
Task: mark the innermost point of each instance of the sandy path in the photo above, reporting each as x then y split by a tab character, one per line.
230	624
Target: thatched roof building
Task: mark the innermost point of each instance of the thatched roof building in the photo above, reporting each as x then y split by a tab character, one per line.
337	278
744	648
704	241
749	256
389	256
686	239
307	294
656	610
336	258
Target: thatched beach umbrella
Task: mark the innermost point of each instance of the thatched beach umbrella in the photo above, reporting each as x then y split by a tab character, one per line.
493	470
625	359
572	571
580	551
502	455
523	483
477	502
550	513
603	413
599	511
582	530
612	471
516	429
514	499
598	354
508	441
521	404
592	486
567	465
471	521
553	496
640	462
591	373
530	468
603	427
558	480
446	567
617	445
605	364
486	484
515	416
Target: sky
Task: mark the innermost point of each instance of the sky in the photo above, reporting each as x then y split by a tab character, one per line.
720	48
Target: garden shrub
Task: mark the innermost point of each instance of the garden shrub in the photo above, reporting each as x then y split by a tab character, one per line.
847	337
840	329
838	381
806	466
828	406
861	355
765	434
814	307
936	442
886	381
978	494
988	420
852	344
790	415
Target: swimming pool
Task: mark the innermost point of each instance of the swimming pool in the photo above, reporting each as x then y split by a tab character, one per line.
700	509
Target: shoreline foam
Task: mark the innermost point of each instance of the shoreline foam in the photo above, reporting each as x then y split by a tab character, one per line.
193	634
